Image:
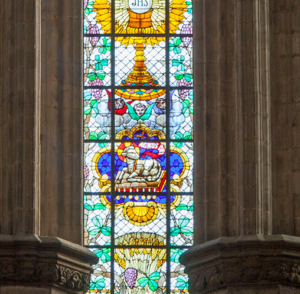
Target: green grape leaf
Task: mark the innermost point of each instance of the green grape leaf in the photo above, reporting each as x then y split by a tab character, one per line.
102	145
100	285
177	50
191	205
105	258
187	135
177	41
152	285
93	136
88	207
175	62
97	57
183	221
99	253
175	257
101	75
99	206
93	103
180	284
104	62
147	113
87	11
178	75
91	76
182	207
174	231
98	66
178	144
188	231
178	136
94	231
101	136
95	111
93	286
88	95
106	231
100	278
154	276
186	103
96	220
188	77
143	281
102	50
87	110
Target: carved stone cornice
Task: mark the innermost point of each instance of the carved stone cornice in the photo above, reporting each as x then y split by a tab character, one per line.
45	261
247	260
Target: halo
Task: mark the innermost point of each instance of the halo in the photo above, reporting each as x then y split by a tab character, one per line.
122	146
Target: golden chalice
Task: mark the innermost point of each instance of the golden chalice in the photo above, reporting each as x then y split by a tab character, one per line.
142	17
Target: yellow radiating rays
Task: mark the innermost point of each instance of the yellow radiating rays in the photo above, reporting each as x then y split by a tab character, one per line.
176	14
147	260
103	10
128	22
140	215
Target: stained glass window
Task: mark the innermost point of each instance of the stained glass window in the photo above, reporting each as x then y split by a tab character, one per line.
138	143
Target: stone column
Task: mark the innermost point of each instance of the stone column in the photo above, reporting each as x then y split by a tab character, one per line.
247	169
41	154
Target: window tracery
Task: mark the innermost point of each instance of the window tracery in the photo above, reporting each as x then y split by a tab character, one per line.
138	143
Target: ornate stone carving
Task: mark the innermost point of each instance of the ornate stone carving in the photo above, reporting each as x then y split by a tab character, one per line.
45	262
43	274
228	262
218	277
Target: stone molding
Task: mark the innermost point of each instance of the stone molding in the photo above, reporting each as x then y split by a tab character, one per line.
247	260
45	261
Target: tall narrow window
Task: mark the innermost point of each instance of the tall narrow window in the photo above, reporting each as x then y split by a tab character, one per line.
138	143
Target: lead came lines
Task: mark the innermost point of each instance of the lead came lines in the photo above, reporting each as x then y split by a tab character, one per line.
138	144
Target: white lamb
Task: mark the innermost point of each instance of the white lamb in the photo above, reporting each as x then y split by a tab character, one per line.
139	170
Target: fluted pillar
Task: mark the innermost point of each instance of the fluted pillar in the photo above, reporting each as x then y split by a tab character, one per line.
20	117
41	149
246	173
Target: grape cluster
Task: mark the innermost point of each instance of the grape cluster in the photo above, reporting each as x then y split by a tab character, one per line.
130	276
93	29
186	29
97	93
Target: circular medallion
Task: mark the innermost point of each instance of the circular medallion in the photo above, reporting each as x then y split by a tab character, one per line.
140	6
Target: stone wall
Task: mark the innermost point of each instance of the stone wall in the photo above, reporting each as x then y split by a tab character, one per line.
41	148
247	170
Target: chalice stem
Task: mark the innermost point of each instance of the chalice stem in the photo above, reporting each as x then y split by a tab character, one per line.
140	76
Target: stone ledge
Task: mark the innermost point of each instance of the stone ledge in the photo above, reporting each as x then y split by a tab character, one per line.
45	262
247	260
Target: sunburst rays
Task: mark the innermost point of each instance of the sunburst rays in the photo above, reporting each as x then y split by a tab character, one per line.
122	19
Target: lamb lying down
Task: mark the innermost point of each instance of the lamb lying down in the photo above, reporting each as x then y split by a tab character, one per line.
139	170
